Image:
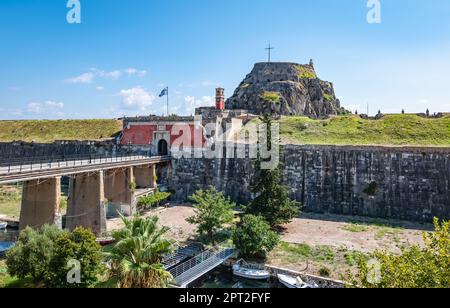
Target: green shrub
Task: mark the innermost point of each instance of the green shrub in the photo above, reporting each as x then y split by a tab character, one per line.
79	245
305	72
213	211
43	255
327	97
153	200
372	189
254	237
273	97
325	271
33	252
426	266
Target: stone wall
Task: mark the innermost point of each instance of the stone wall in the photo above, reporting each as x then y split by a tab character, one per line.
403	183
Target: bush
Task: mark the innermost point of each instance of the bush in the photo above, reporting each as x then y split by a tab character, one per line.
325	272
212	212
254	237
80	245
44	254
33	252
153	200
415	267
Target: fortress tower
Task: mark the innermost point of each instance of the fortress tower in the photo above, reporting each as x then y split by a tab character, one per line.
220	98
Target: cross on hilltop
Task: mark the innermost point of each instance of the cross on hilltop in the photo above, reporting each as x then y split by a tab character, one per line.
269	50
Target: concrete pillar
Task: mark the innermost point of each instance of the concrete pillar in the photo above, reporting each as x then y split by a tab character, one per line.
145	176
119	190
86	203
40	203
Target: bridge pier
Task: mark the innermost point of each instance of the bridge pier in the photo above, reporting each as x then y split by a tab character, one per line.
119	189
86	203
145	176
40	203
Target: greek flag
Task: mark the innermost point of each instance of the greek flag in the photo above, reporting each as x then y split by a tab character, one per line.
164	92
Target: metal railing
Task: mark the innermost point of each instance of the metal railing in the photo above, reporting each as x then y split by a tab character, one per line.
45	163
194	266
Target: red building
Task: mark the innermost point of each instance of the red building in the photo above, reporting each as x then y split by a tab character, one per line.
161	133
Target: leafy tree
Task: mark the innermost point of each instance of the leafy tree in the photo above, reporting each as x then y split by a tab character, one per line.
212	212
44	256
272	198
80	246
136	257
416	267
254	237
33	252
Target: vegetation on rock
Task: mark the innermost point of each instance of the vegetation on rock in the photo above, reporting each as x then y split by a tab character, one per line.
273	97
305	72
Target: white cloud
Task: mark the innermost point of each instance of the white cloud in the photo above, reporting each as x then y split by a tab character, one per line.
48	107
83	78
112	75
94	73
100	88
136	99
192	103
134	71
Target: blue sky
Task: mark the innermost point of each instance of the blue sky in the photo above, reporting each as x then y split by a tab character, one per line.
124	53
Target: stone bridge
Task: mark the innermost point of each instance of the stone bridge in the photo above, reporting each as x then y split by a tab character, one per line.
94	180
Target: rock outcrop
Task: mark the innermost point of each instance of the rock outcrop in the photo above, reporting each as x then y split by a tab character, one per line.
285	89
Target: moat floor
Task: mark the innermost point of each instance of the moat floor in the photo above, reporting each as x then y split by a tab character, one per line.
324	243
355	233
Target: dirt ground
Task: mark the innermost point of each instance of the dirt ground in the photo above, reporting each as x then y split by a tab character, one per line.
172	217
354	233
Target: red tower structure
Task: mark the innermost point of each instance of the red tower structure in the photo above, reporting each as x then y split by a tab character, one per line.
220	98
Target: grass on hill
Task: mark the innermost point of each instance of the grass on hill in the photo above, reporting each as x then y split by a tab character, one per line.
46	131
394	130
10	200
273	97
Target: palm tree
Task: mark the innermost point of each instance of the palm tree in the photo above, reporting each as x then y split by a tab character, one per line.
136	257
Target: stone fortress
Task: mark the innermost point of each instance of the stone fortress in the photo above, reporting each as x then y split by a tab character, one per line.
411	183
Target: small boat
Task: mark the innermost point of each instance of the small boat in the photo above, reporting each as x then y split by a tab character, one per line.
4	247
295	283
249	272
3	225
105	241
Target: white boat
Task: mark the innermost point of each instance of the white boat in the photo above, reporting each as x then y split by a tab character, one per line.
295	283
3	225
246	271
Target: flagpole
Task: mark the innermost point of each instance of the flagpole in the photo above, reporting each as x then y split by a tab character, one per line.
167	101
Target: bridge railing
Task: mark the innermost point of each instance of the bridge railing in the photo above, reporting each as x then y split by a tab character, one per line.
219	251
41	163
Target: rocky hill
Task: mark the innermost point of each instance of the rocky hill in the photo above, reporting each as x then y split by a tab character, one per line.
285	89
